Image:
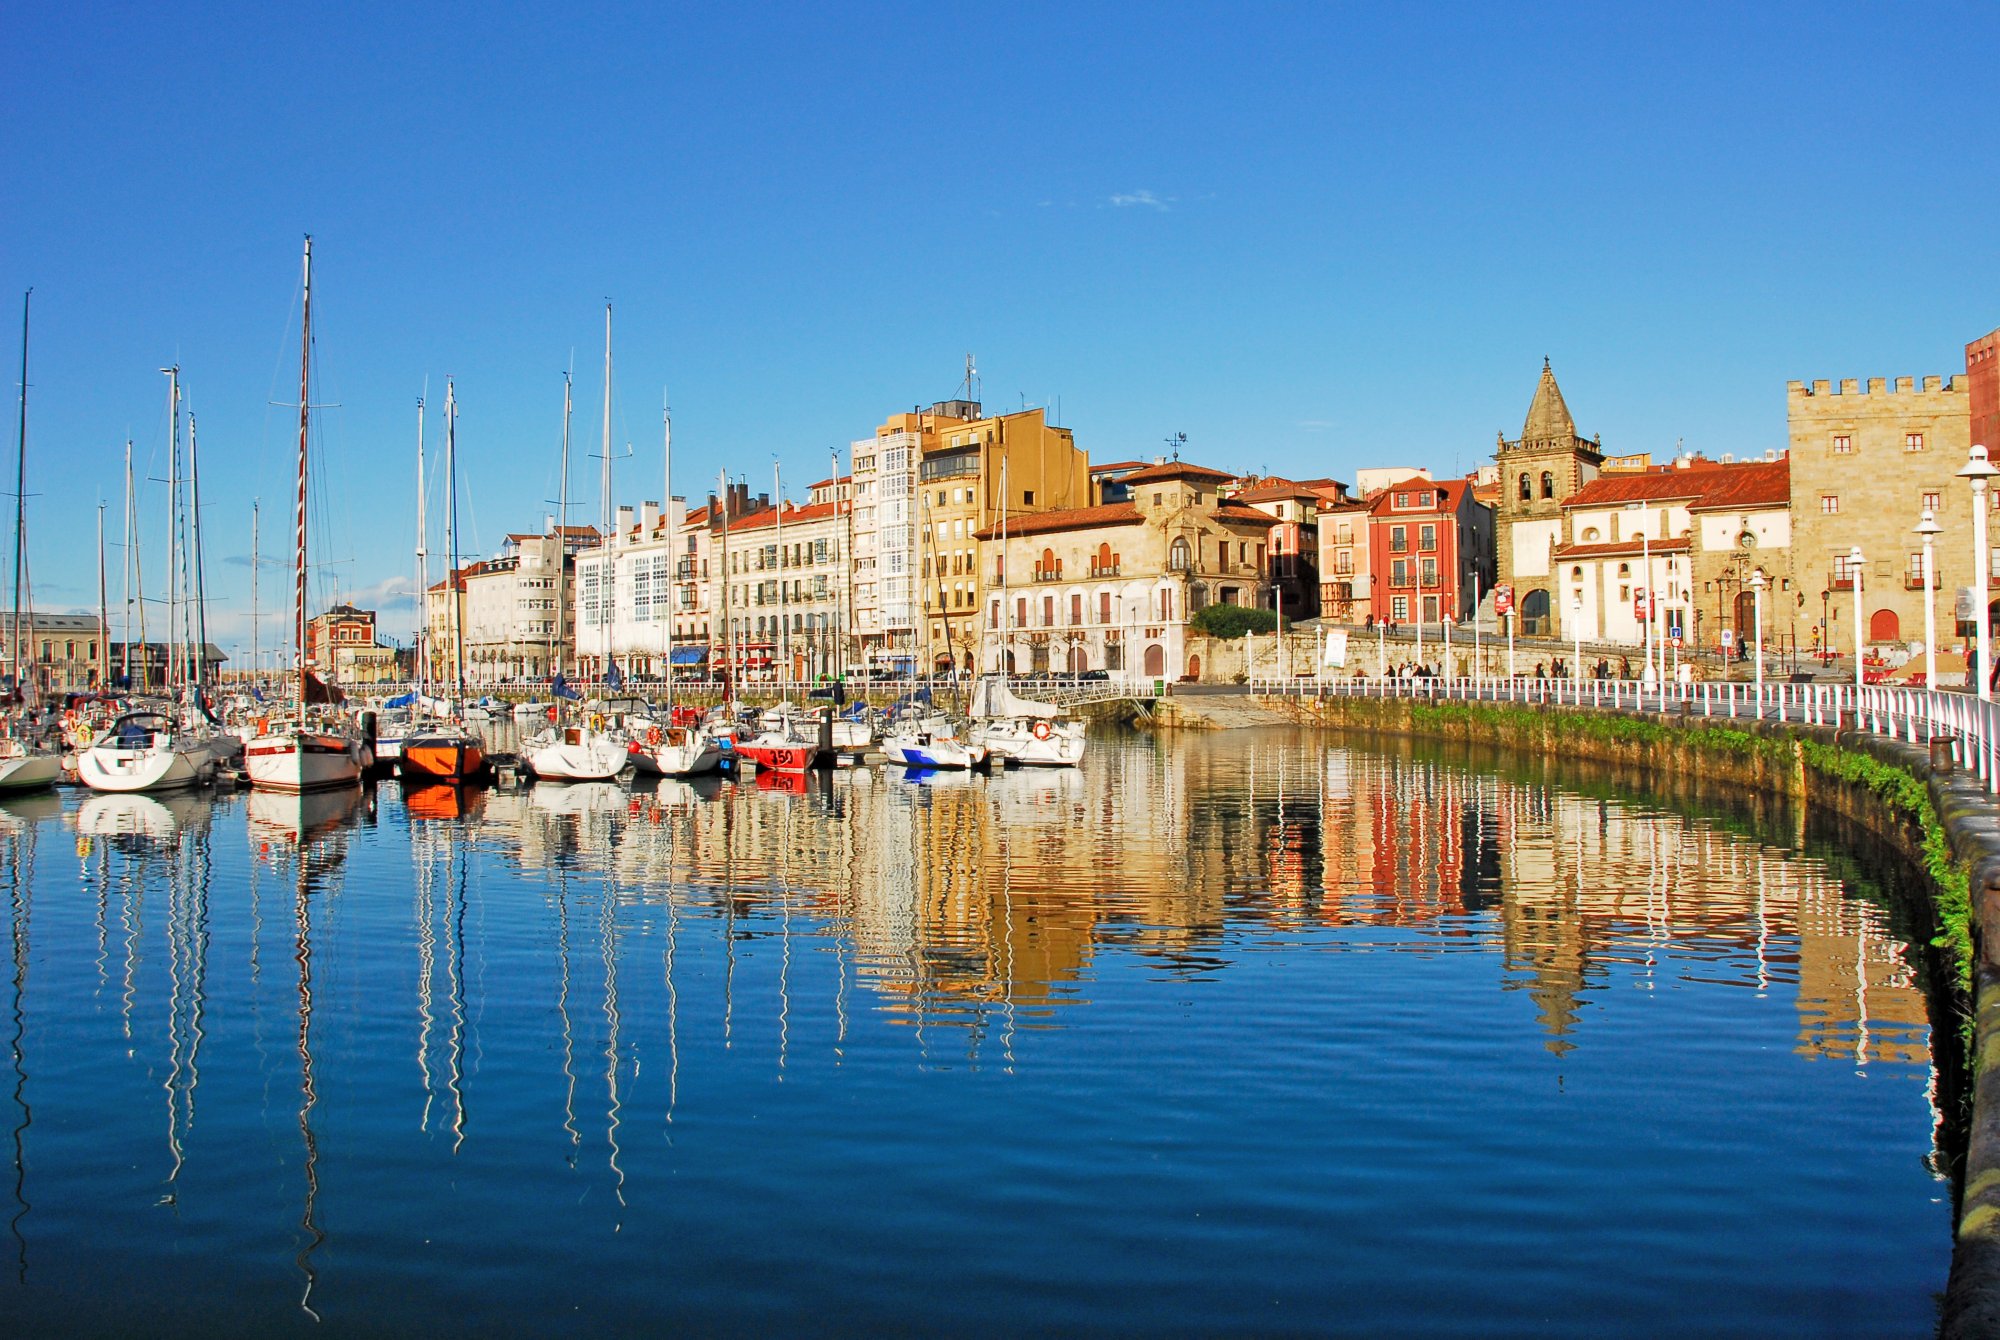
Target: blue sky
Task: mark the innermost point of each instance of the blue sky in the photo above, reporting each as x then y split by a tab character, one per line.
1310	237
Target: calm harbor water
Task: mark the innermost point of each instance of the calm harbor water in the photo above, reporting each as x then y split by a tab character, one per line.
1225	1034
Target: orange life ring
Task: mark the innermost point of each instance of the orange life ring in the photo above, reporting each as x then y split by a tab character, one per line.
1041	730
653	737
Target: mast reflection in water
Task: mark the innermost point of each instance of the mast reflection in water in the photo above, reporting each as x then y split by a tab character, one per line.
1233	1033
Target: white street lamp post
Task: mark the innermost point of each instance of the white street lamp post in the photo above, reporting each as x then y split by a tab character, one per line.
1854	561
1757	585
1381	648
1976	471
1929	528
1510	644
1447	646
1576	628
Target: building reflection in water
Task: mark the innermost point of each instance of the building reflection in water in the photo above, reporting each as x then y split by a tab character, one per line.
977	903
952	916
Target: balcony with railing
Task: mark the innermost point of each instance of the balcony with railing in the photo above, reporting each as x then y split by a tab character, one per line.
1042	574
1840	579
1104	569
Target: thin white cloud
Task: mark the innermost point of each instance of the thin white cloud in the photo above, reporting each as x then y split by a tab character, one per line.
1146	199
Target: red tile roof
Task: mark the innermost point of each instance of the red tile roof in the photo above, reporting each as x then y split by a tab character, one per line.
1705	485
1451	493
1073	518
1176	470
1619	548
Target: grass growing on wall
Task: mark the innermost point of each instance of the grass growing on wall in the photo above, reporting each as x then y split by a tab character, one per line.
1910	801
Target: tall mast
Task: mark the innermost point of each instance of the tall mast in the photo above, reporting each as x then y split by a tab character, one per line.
451	533
174	675
673	533
131	562
256	562
103	613
607	588
423	563
784	620
299	614
21	508
728	625
560	639
843	608
200	586
1006	609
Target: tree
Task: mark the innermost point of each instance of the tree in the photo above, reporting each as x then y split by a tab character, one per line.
1229	621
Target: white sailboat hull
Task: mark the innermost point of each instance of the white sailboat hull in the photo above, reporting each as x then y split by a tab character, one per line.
29	772
587	758
156	768
697	753
302	761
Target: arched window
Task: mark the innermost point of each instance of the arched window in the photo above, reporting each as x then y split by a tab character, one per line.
1576	574
1104	556
1527	489
1624	571
1548	484
1591	535
1178	555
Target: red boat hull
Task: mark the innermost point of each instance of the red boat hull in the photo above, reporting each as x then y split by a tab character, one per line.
780	758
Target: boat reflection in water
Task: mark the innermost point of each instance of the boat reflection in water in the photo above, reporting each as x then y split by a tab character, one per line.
295	817
435	801
469	1067
108	814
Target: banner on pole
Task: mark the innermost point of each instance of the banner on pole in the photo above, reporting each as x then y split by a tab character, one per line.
1335	651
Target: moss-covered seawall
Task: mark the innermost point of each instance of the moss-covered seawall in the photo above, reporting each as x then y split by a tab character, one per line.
1940	820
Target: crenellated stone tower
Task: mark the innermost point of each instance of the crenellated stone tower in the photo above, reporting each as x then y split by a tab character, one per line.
1539	471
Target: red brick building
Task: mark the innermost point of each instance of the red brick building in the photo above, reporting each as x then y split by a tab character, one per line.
1982	376
1430	551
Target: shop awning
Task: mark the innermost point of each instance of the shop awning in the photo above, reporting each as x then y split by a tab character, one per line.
688	655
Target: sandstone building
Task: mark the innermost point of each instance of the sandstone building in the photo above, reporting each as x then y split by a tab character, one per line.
1865	464
1539	471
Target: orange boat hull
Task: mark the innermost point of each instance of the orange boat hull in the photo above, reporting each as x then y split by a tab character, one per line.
442	762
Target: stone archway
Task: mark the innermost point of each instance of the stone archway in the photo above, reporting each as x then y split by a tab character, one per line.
1156	659
1535	621
1194	667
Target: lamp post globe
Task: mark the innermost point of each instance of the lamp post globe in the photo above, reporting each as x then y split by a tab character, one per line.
1977	471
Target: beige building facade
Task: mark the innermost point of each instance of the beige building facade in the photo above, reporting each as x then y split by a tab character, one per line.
1112	587
1866	460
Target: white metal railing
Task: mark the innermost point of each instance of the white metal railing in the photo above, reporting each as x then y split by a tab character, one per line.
1915	715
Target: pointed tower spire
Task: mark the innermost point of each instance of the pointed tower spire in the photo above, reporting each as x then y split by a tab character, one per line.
1548	416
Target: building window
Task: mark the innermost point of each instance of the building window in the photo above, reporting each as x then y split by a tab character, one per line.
1399	572
1843	444
1427	538
1931	501
1048	611
1829	503
1399	606
1402	500
1343	562
1104	607
1548	484
1076	608
1428	572
1399	540
1916	577
1527	489
1913	441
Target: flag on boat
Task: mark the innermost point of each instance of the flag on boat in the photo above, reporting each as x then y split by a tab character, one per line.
614	677
318	690
561	689
403	700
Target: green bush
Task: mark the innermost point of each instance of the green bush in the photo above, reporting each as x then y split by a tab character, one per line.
1233	620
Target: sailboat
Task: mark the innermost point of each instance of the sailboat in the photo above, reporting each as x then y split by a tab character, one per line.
569	751
668	749
1015	730
446	751
27	761
168	747
312	750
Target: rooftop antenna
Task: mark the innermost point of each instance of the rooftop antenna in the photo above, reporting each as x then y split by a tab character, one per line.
971	380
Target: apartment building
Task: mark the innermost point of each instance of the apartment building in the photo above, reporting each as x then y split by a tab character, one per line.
1112	587
923	488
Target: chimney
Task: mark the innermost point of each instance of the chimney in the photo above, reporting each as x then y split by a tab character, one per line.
624	523
649	519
